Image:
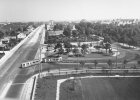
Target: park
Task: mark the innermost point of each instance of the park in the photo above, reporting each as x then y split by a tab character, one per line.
80	67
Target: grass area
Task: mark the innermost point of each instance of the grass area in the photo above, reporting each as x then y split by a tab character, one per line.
129	56
1	55
71	90
101	89
91	55
46	89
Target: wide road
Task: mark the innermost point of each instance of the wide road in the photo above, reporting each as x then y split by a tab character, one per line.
10	71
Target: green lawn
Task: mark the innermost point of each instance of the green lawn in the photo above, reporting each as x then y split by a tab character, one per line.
46	89
91	55
101	89
1	55
128	55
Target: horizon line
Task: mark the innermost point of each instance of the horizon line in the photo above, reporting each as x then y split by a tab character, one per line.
70	20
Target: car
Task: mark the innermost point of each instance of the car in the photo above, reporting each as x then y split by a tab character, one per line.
30	63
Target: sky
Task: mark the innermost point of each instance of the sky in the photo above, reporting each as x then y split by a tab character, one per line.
59	10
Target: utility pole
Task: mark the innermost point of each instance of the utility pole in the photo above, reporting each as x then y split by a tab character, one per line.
116	57
40	59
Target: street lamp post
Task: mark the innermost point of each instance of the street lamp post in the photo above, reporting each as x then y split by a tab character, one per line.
116	57
40	60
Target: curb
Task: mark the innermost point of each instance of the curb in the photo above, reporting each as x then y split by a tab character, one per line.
33	88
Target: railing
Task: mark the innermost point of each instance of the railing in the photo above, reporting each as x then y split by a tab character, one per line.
95	71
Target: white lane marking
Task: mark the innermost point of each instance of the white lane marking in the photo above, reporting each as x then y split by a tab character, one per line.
18	83
6	88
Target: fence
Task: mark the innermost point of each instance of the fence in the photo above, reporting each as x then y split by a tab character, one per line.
95	72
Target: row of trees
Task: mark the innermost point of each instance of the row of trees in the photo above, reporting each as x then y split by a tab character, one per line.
109	63
68	48
129	34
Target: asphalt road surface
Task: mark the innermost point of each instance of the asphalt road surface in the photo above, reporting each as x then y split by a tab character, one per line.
10	71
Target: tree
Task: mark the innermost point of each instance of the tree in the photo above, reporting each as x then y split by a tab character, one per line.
134	66
75	50
74	33
107	46
76	68
82	63
132	42
67	32
60	51
48	69
124	63
127	40
68	46
109	62
107	39
84	47
12	42
20	29
58	27
58	45
95	63
104	70
97	47
13	33
1	34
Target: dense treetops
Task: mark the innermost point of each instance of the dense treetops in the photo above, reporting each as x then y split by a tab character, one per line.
128	33
12	29
112	33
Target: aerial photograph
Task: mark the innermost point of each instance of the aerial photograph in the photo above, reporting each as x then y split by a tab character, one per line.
69	49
